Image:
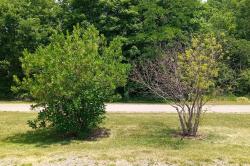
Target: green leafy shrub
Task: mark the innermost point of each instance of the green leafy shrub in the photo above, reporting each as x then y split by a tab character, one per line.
72	78
244	82
242	99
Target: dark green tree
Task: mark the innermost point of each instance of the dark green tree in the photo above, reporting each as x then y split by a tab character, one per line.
24	24
242	19
229	19
145	25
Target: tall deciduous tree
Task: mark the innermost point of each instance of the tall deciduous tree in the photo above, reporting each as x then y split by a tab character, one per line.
23	24
144	24
229	19
242	19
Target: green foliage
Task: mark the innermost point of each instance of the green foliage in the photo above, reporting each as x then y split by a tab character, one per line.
242	19
226	82
221	15
198	65
72	77
197	71
238	54
237	60
244	82
145	25
23	24
229	19
186	77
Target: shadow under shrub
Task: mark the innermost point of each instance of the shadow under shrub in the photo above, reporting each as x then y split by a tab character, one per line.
47	137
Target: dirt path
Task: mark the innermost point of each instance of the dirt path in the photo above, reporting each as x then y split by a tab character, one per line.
140	108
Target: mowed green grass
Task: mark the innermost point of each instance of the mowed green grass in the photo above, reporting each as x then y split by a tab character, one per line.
220	100
133	137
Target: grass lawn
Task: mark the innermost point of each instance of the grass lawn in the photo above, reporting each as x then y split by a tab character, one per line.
135	139
219	100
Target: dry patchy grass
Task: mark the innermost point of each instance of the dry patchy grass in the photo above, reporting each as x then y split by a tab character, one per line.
134	138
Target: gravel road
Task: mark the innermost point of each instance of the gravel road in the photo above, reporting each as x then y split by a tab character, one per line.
144	108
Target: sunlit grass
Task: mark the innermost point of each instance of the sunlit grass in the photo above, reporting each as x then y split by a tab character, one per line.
218	100
133	137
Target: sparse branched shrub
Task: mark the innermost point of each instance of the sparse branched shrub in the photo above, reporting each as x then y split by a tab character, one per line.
186	76
72	78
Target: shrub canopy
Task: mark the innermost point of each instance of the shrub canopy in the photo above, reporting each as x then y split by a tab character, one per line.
72	78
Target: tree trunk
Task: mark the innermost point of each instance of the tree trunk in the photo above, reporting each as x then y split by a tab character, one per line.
197	121
182	122
190	124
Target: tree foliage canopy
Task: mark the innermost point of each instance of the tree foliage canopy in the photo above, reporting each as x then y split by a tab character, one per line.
24	24
145	25
72	77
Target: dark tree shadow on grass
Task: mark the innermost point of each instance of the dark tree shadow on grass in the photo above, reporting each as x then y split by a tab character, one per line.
166	137
162	135
46	137
159	135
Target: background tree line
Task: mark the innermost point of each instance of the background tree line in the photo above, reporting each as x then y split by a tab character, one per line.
146	26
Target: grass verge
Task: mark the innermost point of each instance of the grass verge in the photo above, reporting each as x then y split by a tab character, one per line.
219	100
